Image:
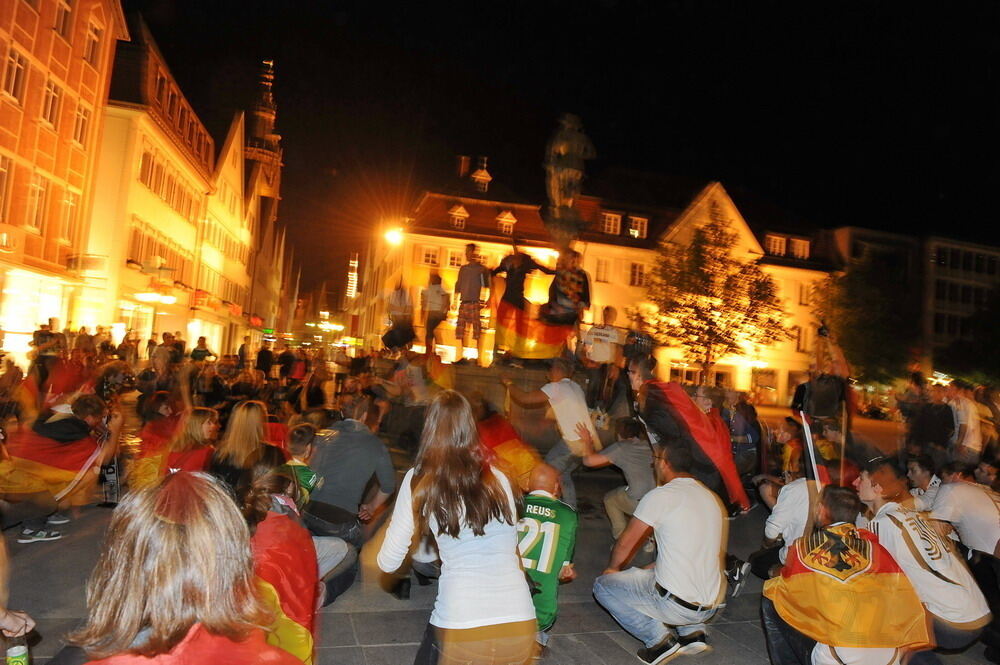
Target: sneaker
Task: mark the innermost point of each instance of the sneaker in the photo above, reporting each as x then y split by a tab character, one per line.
661	653
693	643
58	518
38	536
738	576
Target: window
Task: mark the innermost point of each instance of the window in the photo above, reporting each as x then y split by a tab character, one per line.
38	201
637	275
457	216
6	169
92	48
637	227
454	258
939	324
601	274
805	290
171	104
81	124
800	248
611	224
64	18
506	228
940	290
70	217
429	256
991	265
774	245
50	103
161	89
14	75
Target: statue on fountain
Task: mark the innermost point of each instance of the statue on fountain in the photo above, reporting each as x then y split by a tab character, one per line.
568	148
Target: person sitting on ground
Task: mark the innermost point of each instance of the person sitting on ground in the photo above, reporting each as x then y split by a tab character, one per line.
241	445
841	599
547	538
569	405
924	482
201	604
346	462
55	464
300	445
986	472
162	421
667	606
192	448
786	523
955	604
453	496
634	457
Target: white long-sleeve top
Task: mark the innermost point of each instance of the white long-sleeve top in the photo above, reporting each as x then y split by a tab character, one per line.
482	583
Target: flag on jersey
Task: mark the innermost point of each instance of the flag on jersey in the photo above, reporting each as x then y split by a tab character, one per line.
546	539
841	588
527	337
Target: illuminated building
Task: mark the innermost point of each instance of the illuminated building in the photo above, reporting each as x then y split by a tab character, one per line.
57	58
352	278
629	214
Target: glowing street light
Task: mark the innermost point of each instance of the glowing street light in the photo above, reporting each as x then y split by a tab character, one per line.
394	236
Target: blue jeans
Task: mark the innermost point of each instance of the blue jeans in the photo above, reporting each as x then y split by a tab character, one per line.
562	459
631	597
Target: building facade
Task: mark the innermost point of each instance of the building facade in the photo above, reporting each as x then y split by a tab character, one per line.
56	73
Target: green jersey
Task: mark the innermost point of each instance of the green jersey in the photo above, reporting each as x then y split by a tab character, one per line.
547	536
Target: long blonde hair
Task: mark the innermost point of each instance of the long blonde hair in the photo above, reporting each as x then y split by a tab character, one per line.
176	553
244	436
192	434
453	483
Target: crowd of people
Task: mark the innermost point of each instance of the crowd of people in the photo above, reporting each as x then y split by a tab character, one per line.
253	481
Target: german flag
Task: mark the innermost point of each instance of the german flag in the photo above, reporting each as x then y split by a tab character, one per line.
526	337
285	564
41	464
513	455
841	588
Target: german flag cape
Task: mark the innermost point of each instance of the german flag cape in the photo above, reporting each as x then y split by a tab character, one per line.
841	588
709	432
284	558
41	464
150	462
513	455
200	646
527	337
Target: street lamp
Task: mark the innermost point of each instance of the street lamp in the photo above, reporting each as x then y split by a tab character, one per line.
394	236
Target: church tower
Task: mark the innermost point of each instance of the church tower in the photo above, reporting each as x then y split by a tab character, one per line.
263	144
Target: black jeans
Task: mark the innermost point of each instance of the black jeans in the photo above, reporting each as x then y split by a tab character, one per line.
349	529
785	645
763	560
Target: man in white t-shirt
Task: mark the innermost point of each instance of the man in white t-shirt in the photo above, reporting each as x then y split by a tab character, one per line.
946	588
603	345
667	606
785	525
967	439
973	510
569	406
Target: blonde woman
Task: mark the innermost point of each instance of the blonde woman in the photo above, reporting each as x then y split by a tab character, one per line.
192	448
241	444
175	583
483	613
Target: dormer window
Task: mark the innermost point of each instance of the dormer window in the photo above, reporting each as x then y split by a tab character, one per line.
775	245
481	178
638	227
611	223
457	216
800	248
505	222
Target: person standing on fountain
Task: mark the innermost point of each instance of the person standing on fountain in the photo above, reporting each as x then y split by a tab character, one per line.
513	307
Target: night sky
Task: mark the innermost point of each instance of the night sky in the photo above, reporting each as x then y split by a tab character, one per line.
879	114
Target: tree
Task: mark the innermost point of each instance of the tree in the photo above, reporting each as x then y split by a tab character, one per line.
710	303
873	319
975	356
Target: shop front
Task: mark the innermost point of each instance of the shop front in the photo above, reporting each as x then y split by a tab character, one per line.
30	298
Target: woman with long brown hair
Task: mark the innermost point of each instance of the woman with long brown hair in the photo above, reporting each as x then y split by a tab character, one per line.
483	613
175	582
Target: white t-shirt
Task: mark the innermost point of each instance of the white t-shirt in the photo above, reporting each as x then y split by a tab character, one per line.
482	583
789	516
967	414
687	521
435	299
924	499
601	341
974	511
570	407
941	579
824	654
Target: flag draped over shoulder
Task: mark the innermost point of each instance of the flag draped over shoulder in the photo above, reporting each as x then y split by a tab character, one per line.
150	462
710	433
841	588
527	337
513	455
41	463
285	561
200	646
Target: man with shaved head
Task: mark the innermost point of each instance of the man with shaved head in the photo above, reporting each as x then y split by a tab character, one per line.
547	538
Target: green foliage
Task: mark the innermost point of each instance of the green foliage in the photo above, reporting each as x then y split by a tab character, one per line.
873	318
710	303
976	357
